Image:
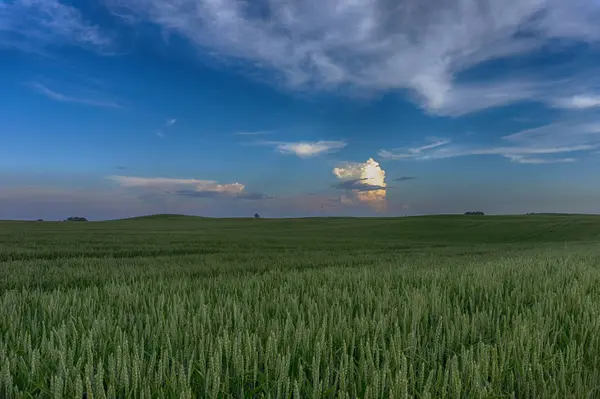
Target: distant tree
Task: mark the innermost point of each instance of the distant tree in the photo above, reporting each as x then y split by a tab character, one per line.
256	216
76	219
477	213
40	220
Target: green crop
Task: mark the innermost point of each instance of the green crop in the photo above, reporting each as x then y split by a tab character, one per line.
176	307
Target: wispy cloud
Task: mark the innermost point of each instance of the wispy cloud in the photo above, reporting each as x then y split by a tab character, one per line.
568	133
254	133
306	149
378	45
194	188
223	195
405	178
157	182
538	161
413	153
33	24
578	102
55	95
522	147
168	125
364	182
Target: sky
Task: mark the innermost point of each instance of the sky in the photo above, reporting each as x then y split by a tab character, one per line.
287	108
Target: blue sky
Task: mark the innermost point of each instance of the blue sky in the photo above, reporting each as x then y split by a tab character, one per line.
117	108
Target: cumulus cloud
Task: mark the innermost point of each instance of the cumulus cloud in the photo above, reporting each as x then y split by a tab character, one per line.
31	24
364	182
379	45
194	188
306	149
520	147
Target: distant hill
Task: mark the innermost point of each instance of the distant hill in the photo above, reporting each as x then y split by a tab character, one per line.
382	233
557	214
164	216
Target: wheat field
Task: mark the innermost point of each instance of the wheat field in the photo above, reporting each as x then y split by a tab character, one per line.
182	307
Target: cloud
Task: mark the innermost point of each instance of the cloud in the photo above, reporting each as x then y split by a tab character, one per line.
379	45
405	178
306	149
222	191
194	188
549	140
365	183
33	24
537	161
569	133
54	95
578	102
466	150
157	182
254	133
463	98
168	125
412	153
207	193
359	185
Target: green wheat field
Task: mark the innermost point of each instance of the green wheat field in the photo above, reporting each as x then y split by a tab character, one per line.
188	307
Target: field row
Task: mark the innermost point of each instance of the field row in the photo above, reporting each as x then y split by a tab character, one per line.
515	326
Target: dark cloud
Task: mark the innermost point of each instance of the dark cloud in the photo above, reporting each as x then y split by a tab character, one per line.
221	195
405	178
359	185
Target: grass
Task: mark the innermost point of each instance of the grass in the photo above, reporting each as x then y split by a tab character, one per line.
173	306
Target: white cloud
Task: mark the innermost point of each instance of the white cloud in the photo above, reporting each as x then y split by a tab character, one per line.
364	182
29	24
556	138
538	161
578	102
54	95
564	134
379	45
412	153
192	188
232	188
157	182
306	149
171	122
